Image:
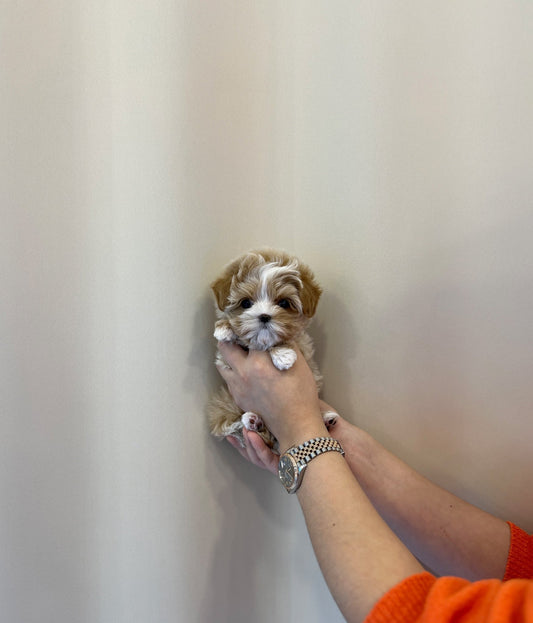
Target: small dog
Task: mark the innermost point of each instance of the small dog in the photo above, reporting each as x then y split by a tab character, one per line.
265	300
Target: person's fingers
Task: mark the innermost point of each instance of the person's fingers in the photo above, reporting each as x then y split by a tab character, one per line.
252	454
233	441
261	453
256	451
237	445
232	353
248	451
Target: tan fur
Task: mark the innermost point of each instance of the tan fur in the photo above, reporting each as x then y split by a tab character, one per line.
264	278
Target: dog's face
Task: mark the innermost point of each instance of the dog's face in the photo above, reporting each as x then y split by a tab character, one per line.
267	297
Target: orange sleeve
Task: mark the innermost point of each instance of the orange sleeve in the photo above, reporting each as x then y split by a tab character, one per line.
520	560
423	598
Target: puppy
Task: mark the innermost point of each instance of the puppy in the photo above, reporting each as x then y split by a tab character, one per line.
265	300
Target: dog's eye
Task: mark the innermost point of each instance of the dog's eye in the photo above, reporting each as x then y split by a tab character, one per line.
284	303
246	303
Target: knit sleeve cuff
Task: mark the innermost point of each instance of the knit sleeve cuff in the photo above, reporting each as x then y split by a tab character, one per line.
520	559
404	602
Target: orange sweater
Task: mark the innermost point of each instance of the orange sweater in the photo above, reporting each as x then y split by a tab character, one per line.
423	598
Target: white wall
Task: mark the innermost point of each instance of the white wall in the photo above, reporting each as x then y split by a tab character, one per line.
146	144
419	117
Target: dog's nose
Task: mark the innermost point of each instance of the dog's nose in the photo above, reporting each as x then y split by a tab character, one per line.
264	318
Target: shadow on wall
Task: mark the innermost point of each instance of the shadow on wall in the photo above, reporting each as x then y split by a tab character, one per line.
203	376
335	336
244	553
242	500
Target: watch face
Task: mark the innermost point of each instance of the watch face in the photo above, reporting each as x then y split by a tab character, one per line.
287	470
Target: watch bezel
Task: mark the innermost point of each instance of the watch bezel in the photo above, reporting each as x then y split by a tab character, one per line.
298	458
296	473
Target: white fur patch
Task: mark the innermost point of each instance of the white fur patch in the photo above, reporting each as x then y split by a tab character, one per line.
230	429
265	338
283	357
263	306
219	362
252	421
330	418
224	334
273	270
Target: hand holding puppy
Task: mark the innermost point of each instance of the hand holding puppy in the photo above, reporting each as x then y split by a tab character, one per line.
287	400
257	452
264	302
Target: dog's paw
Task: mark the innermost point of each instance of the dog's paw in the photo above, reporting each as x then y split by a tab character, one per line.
224	333
252	421
232	429
330	419
283	357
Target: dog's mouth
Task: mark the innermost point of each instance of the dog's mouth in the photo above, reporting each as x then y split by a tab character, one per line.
259	334
261	338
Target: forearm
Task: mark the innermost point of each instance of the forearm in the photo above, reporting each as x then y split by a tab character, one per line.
449	535
359	555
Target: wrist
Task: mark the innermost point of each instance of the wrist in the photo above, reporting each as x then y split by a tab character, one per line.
294	462
362	450
298	433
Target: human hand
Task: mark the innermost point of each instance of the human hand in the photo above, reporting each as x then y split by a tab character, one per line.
287	400
257	452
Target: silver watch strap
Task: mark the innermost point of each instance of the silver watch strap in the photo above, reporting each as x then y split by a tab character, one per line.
308	450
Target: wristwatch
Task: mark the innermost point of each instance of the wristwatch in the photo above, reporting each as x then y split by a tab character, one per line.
293	462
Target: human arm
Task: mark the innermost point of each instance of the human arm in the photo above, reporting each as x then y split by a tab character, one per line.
418	597
359	555
449	535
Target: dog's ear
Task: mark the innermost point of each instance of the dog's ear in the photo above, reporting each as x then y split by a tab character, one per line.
310	293
221	288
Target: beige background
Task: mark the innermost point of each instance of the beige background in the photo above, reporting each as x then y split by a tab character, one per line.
144	145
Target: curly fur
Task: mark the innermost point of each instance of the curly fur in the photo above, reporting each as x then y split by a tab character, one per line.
265	300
